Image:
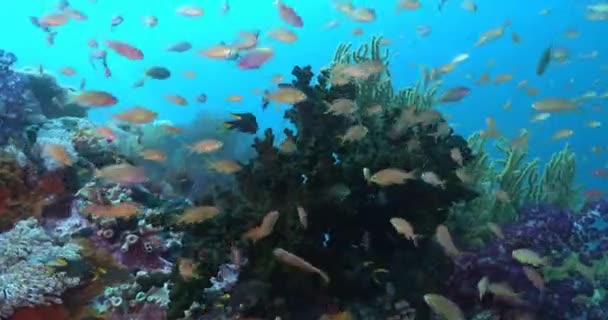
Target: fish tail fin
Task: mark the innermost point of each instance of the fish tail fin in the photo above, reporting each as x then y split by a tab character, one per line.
324	276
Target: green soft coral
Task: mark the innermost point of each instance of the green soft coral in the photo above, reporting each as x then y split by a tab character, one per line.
519	178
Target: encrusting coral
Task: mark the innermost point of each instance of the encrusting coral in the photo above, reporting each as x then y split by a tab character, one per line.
25	281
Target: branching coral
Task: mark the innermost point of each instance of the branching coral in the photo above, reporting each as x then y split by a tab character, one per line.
24	281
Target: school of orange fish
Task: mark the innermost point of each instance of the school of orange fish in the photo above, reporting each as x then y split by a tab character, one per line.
248	55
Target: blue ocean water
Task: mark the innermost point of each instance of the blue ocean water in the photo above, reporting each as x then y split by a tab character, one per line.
454	31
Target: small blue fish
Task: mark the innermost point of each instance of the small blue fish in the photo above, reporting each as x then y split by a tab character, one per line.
441	4
181	46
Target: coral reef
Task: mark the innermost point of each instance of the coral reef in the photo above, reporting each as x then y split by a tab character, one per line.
324	176
573	246
506	184
25	253
13	88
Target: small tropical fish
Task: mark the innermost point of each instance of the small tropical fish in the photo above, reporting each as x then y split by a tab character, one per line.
123	173
67	71
219	51
58	153
153	155
255	58
190	11
116	21
171	129
176	99
404	228
287	95
456	155
341	106
496	230
291	259
444	307
502	78
94	98
432	179
288	146
283	35
181	46
106	133
137	115
158	73
126	50
354	133
150	21
206	146
515	38
483	286
363	14
202	98
469	5
243	122
454	94
235	98
53	20
535	278
543	62
187	269
303	217
553	104
289	15
198	214
445	240
225	166
264	229
120	210
391	176
562	134
408	5
527	256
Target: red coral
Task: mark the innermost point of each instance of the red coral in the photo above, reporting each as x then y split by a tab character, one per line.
52	312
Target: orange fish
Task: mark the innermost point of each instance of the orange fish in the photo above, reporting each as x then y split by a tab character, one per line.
67	71
153	155
206	146
283	35
503	78
94	98
59	154
217	52
107	133
53	20
171	129
277	78
137	115
198	214
187	269
263	230
357	31
234	98
178	100
122	174
189	74
120	210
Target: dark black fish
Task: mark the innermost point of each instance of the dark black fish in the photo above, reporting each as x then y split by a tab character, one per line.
545	58
243	122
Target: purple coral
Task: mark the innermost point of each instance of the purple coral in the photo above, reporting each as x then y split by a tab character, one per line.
13	87
551	232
